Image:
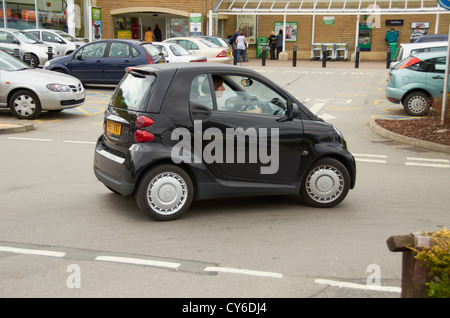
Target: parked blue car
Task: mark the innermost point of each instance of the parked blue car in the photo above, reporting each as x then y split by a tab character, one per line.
104	61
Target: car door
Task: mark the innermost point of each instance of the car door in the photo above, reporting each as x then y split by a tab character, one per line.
435	76
118	57
246	133
87	62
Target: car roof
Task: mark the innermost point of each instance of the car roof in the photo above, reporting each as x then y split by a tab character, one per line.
424	44
429	55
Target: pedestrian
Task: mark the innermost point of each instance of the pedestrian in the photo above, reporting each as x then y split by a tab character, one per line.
233	39
157	32
279	43
272	45
391	36
416	34
149	35
241	46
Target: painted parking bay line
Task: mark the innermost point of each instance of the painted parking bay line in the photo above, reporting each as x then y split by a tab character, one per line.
242	271
370	158
27	251
138	261
358	286
424	162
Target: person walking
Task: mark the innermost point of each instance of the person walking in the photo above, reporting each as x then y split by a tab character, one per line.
149	35
233	39
157	32
391	36
272	45
279	43
241	46
416	34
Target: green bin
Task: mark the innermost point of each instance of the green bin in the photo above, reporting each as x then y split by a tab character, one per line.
394	47
260	43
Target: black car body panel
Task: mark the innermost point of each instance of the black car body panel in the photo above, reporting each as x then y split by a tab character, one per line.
121	162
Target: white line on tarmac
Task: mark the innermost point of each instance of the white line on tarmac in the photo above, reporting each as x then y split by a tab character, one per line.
358	286
138	261
80	142
31	252
242	271
379	158
424	162
32	139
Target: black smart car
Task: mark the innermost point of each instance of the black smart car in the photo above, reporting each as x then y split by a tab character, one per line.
174	133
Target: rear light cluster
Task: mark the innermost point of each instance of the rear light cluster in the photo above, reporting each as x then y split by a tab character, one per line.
141	135
411	61
222	54
149	58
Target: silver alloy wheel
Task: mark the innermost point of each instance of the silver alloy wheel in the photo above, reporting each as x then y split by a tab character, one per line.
24	105
167	193
324	184
417	104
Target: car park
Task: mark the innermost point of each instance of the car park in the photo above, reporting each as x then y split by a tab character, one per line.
174	53
104	61
174	133
204	47
13	39
416	81
28	91
64	42
406	49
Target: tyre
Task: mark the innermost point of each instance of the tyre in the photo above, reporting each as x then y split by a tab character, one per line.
326	183
417	104
165	192
24	104
34	62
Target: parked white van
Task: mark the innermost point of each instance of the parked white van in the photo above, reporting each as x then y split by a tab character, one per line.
406	49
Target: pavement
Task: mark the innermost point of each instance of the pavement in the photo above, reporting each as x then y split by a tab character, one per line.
10	127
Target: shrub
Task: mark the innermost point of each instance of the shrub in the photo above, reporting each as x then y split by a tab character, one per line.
437	260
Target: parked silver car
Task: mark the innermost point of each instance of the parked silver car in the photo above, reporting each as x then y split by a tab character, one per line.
64	42
26	43
27	91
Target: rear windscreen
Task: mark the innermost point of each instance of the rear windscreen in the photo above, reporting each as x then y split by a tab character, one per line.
133	91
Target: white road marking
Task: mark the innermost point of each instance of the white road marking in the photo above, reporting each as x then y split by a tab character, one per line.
370	158
425	162
80	142
138	261
358	286
32	139
242	271
31	251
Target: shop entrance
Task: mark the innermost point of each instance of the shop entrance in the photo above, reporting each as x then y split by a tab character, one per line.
133	25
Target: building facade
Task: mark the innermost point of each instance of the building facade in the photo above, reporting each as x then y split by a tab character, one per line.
354	23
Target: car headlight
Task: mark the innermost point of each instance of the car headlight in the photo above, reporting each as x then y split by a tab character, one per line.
60	88
46	64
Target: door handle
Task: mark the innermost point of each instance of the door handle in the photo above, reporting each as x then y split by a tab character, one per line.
438	77
127	61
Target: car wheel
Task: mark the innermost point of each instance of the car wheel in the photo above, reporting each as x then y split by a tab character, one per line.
34	62
326	183
165	192
417	104
24	104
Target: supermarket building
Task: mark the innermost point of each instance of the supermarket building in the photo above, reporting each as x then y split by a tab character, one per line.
306	23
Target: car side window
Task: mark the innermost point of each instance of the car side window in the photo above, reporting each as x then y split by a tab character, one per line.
201	91
440	65
248	95
188	45
94	50
119	50
35	33
49	37
6	37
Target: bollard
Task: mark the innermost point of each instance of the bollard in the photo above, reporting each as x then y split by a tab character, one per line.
388	57
27	58
263	57
294	56
50	53
17	53
235	57
357	57
324	56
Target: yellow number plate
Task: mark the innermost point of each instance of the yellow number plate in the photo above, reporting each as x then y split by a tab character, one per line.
113	127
